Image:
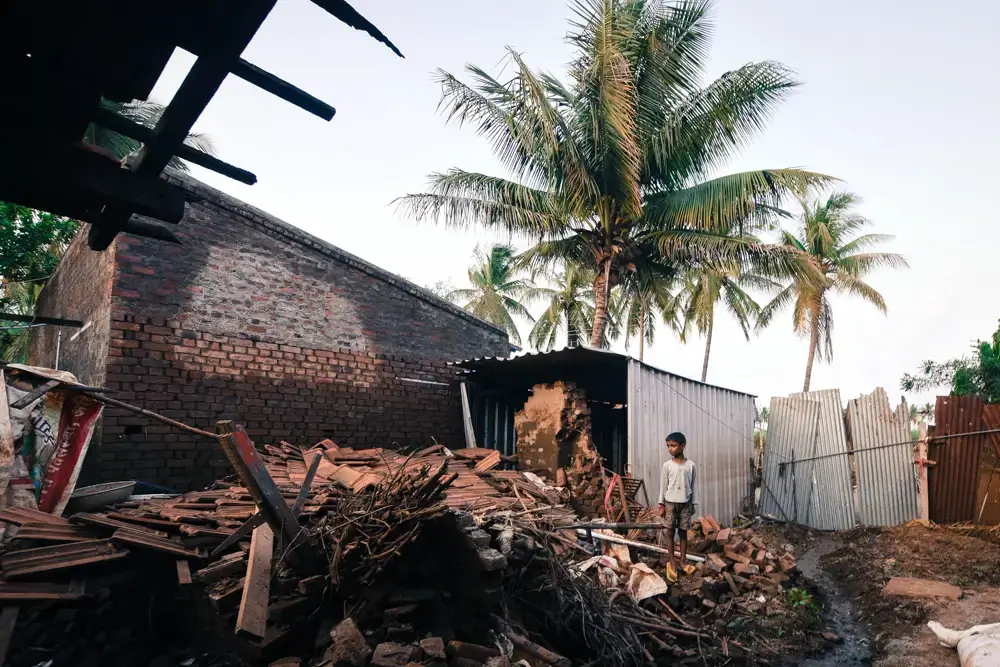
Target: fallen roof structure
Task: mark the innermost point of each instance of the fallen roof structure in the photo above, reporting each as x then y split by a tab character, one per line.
59	60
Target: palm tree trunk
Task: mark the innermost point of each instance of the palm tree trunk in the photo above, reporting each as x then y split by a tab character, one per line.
708	349
600	305
813	342
642	331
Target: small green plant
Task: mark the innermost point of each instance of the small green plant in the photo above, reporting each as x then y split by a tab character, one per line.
800	598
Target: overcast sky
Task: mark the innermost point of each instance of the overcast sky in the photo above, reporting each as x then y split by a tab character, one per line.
899	100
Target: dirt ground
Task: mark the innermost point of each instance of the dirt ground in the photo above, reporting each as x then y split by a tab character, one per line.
895	628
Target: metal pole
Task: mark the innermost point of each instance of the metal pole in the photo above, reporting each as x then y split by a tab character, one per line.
58	346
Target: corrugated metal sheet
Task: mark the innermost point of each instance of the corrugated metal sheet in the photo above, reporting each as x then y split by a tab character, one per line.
791	435
830	505
887	485
494	425
954	480
718	424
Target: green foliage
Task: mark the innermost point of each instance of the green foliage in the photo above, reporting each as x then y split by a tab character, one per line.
827	240
570	308
800	598
145	113
31	242
976	375
497	294
614	169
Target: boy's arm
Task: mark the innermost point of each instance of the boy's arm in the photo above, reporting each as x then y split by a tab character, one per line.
694	472
663	489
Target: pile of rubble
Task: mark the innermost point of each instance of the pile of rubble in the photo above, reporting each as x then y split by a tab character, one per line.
333	556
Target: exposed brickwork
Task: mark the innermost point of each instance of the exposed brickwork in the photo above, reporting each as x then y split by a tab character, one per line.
79	290
255	321
279	392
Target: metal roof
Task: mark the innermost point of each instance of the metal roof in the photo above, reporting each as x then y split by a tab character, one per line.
569	357
59	60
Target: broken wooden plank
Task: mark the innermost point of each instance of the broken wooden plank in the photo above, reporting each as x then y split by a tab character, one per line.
227	566
183	573
252	617
146	541
39	591
921	588
34	395
225	594
488	462
251	469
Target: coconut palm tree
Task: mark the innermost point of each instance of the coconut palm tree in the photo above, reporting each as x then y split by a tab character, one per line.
828	239
570	308
705	287
145	113
497	294
643	301
614	166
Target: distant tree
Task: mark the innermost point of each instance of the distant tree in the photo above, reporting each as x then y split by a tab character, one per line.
708	286
570	308
15	337
976	375
442	288
620	162
644	300
497	294
763	414
827	239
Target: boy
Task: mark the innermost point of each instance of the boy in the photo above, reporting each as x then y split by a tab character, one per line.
677	498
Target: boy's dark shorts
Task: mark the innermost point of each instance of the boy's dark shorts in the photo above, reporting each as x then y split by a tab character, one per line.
678	516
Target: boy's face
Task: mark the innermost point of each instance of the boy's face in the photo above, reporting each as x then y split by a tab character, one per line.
675	448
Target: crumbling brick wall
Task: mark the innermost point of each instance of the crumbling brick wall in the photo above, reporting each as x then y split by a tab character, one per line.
555	438
254	320
80	289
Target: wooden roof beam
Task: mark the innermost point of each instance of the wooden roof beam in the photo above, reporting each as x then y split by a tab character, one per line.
129	128
281	88
196	91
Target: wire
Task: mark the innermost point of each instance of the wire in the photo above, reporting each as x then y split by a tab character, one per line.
28	280
703	410
897	444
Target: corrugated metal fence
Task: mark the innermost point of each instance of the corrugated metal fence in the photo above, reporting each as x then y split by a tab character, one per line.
807	461
718	424
887	491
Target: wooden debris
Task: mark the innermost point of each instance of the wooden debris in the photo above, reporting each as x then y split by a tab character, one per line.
227	566
156	543
50	532
39	591
22	515
27	562
252	619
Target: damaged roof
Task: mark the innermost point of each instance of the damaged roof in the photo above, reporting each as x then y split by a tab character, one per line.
583	365
59	60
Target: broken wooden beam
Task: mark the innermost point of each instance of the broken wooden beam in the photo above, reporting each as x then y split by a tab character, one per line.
252	617
41	591
227	566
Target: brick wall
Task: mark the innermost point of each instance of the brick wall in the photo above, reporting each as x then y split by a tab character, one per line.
80	289
279	392
256	321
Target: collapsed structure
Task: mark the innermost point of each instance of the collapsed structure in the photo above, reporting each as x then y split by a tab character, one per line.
333	555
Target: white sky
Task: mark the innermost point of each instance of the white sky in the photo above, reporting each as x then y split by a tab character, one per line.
897	102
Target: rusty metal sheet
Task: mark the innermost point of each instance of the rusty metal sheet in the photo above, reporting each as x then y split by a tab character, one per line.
953	481
887	486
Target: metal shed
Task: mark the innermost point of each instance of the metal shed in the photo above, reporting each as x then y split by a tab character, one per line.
634	407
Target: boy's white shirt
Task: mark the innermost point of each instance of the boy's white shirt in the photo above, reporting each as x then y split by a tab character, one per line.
677	482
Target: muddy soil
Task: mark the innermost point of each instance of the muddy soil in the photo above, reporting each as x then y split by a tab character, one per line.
896	627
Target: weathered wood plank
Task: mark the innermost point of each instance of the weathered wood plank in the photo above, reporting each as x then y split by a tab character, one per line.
252	617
